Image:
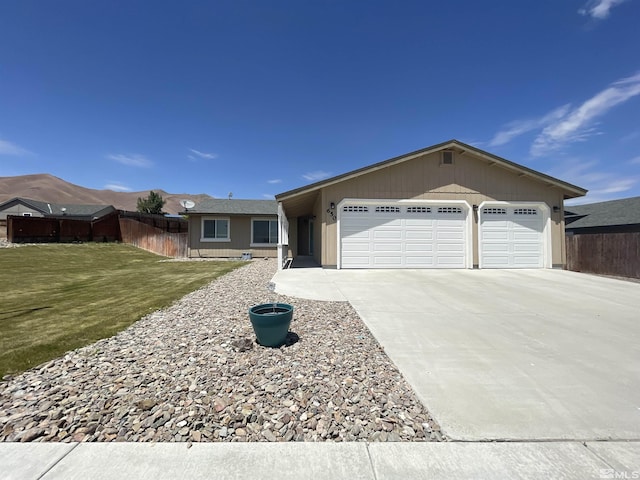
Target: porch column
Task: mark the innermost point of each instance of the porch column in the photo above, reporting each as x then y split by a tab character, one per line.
283	236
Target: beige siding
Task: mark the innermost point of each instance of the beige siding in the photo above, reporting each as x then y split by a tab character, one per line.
470	178
19	210
293	237
240	239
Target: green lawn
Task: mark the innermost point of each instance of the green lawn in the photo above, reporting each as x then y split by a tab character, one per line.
55	298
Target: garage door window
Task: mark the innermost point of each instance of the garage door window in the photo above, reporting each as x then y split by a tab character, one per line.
387	209
449	210
355	208
418	209
525	211
494	211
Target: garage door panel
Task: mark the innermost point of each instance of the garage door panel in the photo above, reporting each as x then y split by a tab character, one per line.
496	262
493	248
387	247
419	222
526	248
453	261
451	248
387	261
443	238
359	261
418	247
355	247
420	261
382	234
418	235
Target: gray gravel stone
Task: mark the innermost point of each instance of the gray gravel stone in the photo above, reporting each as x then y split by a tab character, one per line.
193	373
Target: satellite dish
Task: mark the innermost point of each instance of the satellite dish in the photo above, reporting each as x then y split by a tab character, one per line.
187	204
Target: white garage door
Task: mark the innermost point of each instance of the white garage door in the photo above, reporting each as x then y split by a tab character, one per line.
511	237
402	236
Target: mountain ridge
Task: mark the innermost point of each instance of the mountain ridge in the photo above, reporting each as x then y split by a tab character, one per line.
45	187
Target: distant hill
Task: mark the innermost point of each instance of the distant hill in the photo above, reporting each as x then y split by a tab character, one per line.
47	188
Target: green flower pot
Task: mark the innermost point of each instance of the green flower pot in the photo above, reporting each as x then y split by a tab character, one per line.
271	322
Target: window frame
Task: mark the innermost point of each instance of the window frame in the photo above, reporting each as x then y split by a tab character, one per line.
264	219
216	219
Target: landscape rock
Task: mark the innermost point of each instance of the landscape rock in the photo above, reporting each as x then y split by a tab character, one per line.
192	372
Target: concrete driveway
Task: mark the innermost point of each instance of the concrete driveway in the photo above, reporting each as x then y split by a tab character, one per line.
502	354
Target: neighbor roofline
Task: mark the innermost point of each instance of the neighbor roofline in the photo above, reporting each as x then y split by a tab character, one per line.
568	187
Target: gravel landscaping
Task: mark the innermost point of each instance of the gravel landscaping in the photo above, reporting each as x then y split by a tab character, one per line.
192	373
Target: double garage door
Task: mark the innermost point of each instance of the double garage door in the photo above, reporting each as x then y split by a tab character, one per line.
403	236
410	235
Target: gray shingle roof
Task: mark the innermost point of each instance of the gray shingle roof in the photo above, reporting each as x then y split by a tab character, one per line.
236	207
71	210
614	212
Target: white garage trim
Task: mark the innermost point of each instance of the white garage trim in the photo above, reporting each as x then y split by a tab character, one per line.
404	206
508	207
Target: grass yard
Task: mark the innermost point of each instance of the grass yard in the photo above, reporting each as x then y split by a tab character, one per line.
56	298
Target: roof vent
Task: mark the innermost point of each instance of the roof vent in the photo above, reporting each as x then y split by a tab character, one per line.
447	157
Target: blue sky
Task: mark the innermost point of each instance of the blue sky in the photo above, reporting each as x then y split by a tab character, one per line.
259	97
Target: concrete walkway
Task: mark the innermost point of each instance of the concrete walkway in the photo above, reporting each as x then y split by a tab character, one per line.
503	354
331	461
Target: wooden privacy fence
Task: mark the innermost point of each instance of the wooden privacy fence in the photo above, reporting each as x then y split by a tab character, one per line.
62	230
153	239
615	254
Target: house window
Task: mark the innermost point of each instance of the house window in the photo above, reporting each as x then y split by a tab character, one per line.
215	230
264	231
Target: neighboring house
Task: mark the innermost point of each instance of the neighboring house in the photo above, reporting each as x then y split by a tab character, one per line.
26	207
233	228
614	216
450	205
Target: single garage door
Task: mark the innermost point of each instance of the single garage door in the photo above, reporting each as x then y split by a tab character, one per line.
402	236
511	237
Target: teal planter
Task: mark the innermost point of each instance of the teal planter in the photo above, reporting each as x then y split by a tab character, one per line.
271	322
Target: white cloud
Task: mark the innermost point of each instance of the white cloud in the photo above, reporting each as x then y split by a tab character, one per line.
117	187
567	124
576	124
208	156
8	148
274	181
519	127
131	160
602	183
615	186
269	196
635	161
599	9
316	176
